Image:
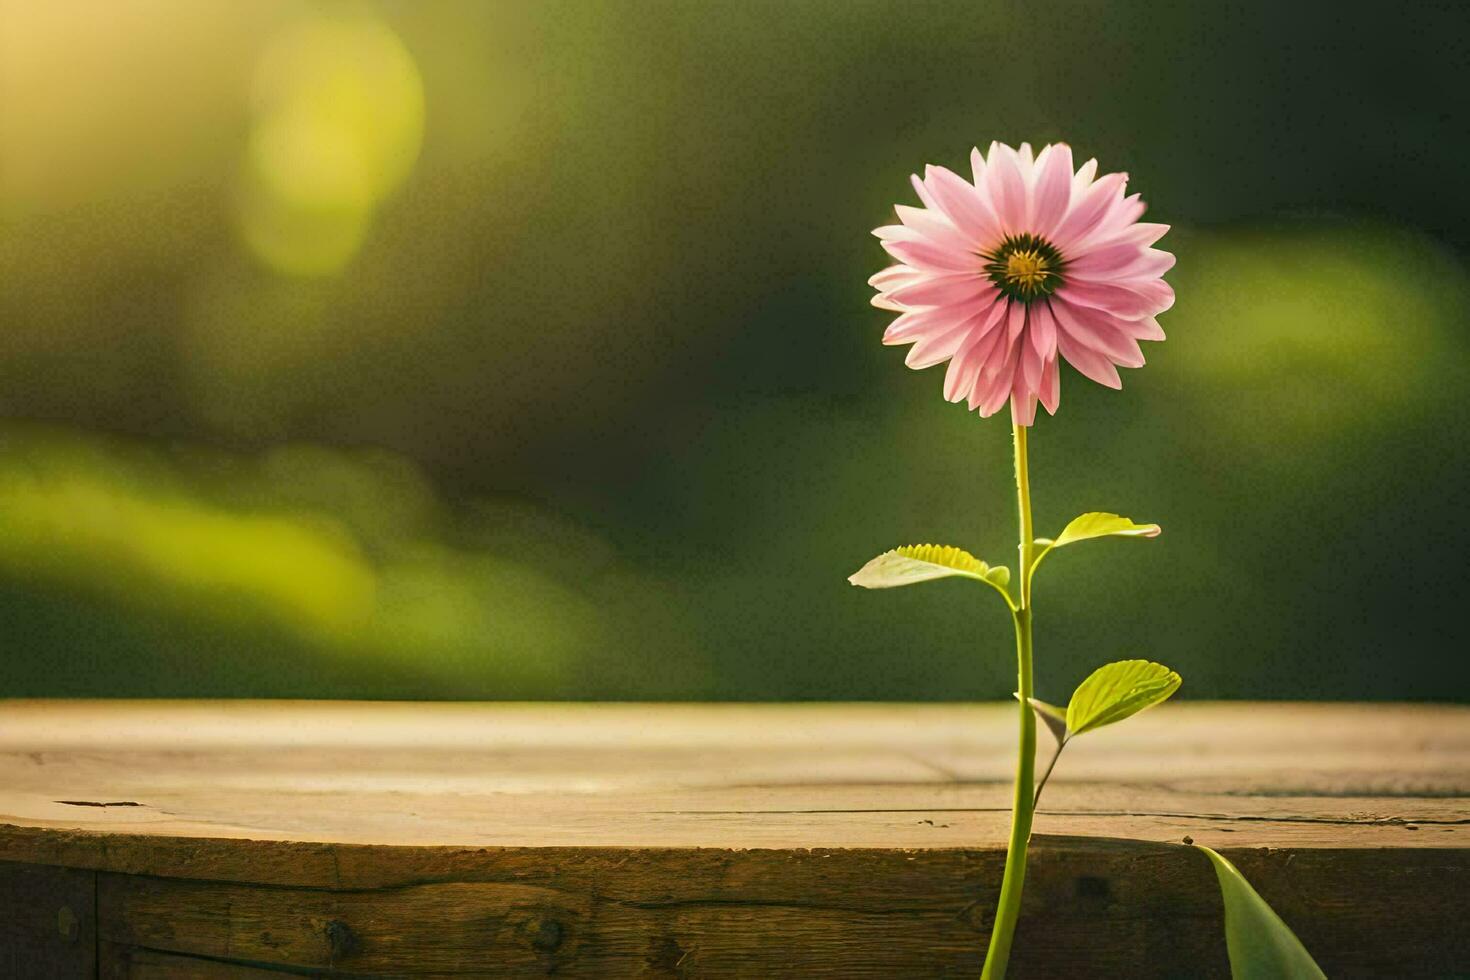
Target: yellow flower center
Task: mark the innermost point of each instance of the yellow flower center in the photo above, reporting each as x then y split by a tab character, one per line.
1026	270
1025	267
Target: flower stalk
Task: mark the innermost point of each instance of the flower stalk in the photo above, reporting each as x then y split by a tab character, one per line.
1008	910
1032	262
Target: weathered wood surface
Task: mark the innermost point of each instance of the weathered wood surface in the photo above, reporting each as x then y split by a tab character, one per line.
240	838
48	926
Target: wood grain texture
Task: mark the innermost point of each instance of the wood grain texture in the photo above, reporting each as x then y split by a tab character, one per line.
632	840
48	925
117	962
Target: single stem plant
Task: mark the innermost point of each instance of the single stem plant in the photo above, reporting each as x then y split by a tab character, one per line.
1003	276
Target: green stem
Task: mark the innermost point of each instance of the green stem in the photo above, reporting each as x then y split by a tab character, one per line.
1009	908
1041	783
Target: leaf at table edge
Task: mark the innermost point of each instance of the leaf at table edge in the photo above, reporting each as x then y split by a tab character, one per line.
912	564
1260	944
1140	684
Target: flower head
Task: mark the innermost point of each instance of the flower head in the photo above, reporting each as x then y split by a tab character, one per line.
1030	261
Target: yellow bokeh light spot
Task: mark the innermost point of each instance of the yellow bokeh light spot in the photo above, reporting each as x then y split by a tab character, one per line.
338	116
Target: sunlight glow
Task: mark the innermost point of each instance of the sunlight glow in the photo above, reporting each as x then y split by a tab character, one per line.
338	117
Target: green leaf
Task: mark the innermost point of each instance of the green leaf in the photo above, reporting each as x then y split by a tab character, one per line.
1094	525
1101	525
924	562
1053	717
1261	946
1118	690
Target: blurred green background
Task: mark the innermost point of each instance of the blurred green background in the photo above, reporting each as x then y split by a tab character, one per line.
523	350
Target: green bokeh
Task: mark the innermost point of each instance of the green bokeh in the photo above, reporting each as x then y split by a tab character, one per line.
531	356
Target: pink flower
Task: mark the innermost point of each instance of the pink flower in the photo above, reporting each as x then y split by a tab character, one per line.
1029	262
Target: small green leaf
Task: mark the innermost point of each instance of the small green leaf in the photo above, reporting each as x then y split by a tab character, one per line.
1118	690
924	562
1100	525
1053	717
1261	946
1093	525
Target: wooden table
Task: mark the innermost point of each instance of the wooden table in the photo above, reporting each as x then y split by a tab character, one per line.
247	839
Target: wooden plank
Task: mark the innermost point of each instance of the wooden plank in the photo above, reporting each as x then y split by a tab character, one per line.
857	926
834	840
736	776
132	963
48	923
1115	908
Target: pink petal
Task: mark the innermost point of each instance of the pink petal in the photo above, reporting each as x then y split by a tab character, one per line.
990	347
892	278
925	198
1043	330
930	257
1158	293
964	369
1088	328
1091	363
958	380
1032	363
984	340
894	275
1103	260
1053	191
1091	328
1125	261
1025	388
916	323
1023	408
934	226
1051	388
938	347
1130	302
896	233
1145	329
1088	211
1122	215
939	334
1115	336
995	315
1142	234
1016	322
1006	187
944	290
996	385
963	205
1131	209
1152	264
1084	178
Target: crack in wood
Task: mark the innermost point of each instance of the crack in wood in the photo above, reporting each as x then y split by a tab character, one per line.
97	803
285	969
757	903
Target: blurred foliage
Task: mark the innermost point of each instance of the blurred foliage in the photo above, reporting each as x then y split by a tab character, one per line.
523	350
332	554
